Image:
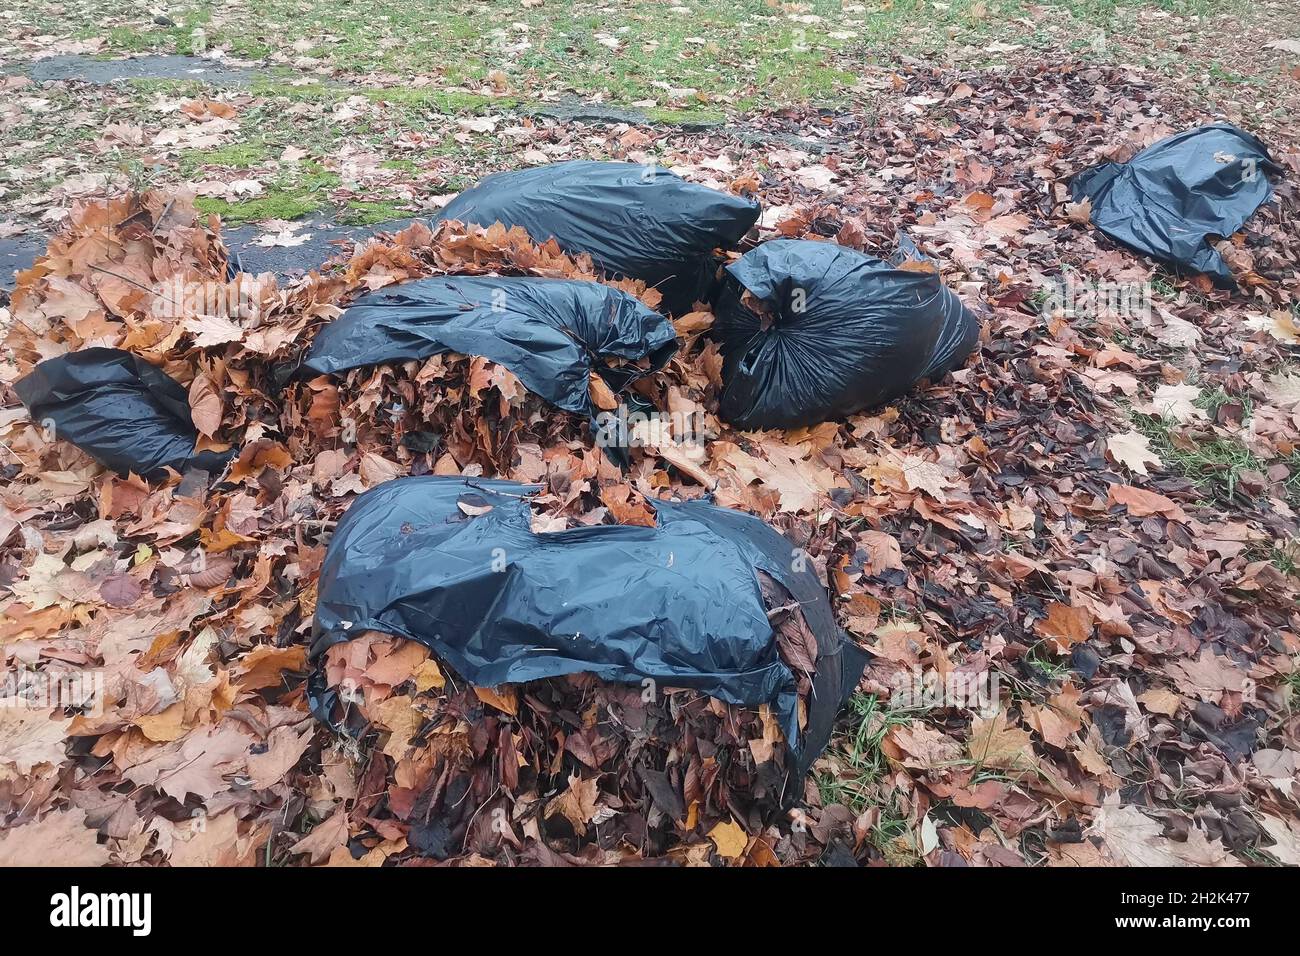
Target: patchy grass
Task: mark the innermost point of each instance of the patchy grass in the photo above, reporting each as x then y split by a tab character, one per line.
859	764
669	53
236	156
1292	684
1284	558
276	205
358	213
699	117
442	101
298	92
856	776
690	64
1051	670
1214	465
149	87
296	193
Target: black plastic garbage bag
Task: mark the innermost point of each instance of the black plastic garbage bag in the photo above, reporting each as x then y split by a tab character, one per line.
679	604
1170	197
548	332
959	334
116	407
642	222
843	331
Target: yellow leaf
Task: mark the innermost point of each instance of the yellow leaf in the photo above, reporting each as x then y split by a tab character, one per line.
265	664
1160	701
427	676
164	727
502	698
730	839
995	743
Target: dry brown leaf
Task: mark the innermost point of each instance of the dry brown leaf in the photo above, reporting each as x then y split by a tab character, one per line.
1065	625
57	839
30	737
205	405
578	804
1141	503
504	698
995	742
1160	701
325	837
1132	450
264	665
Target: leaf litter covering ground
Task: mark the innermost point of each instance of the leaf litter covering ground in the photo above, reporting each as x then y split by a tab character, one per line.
1099	509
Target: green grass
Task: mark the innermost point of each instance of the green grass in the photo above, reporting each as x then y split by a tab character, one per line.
700	117
720	50
1292	682
856	749
1286	558
441	101
1282	554
1214	466
358	213
150	87
278	205
297	92
719	54
423	61
237	156
126	40
859	779
1052	670
298	192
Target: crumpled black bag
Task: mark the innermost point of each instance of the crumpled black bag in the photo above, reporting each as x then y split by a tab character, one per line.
642	222
1170	197
551	333
125	413
679	603
846	331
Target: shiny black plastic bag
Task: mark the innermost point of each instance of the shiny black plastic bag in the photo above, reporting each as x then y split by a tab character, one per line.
679	604
120	410
1170	197
642	222
547	332
844	331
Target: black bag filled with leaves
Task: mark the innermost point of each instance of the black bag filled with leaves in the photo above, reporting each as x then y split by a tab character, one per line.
455	565
125	413
813	330
551	333
1170	198
642	222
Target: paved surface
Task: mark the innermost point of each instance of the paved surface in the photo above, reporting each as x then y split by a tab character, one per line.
90	69
327	238
18	253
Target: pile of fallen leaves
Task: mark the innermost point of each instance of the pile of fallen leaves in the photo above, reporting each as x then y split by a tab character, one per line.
569	768
450	414
1050	516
